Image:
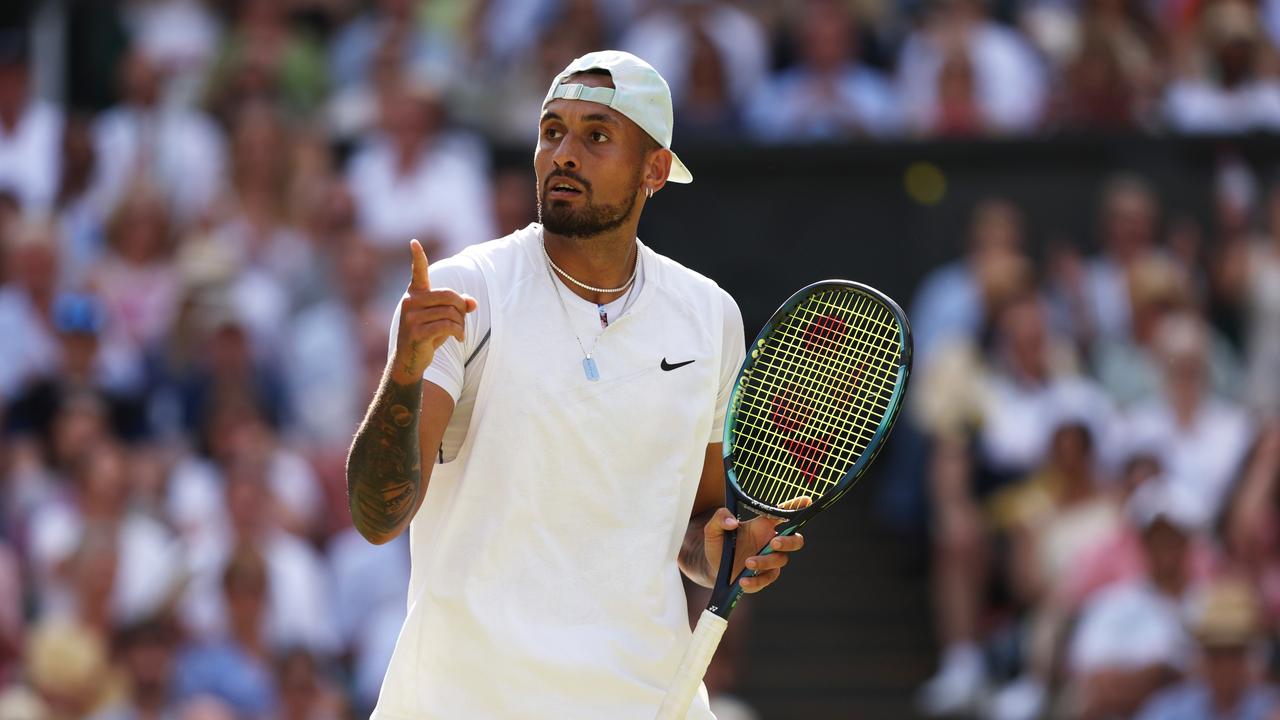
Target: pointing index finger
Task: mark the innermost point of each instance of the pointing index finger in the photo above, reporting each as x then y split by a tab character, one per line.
419	280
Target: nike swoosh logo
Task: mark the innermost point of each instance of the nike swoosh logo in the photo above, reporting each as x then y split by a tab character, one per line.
669	366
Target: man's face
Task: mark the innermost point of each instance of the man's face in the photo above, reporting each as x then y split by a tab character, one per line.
589	164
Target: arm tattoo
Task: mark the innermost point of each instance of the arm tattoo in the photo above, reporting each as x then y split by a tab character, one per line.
693	555
384	468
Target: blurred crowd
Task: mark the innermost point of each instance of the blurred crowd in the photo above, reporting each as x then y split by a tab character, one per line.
204	209
1104	462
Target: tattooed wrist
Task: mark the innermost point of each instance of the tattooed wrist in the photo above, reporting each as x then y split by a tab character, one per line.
384	468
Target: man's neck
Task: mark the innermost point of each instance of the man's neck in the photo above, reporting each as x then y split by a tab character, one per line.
607	260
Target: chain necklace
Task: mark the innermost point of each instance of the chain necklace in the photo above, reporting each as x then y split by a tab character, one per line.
585	286
589	367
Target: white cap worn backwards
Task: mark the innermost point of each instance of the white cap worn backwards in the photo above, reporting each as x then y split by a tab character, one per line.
638	92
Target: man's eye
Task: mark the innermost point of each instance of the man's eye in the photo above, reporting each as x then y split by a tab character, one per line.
599	137
552	133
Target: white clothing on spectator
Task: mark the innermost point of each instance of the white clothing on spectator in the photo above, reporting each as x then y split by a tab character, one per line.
1204	456
30	155
665	40
1199	106
1009	80
178	150
799	105
1129	626
445	197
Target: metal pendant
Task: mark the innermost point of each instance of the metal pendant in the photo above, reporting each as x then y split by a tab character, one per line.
589	367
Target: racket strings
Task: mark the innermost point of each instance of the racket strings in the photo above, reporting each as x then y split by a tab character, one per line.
818	391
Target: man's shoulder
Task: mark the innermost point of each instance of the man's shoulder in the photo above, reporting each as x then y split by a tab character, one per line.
505	252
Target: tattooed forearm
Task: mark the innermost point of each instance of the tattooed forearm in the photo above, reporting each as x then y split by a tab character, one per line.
693	555
384	468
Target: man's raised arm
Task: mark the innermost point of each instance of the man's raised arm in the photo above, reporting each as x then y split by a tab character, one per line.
385	480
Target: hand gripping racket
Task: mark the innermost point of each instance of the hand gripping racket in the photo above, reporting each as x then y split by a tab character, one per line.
814	402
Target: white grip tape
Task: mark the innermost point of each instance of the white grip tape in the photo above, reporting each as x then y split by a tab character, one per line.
706	638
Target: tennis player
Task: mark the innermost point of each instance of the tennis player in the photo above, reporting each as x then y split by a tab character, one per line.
548	428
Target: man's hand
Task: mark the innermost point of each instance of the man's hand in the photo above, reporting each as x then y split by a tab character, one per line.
427	318
752	536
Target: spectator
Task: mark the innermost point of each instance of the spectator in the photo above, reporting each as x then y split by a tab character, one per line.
1130	640
1202	438
1251	521
137	280
237	667
327	342
85	366
145	649
392	26
1096	293
829	94
370	605
68	667
175	149
30	130
1249	278
303	693
1005	76
990	418
273	258
146	571
708	110
1228	682
181	38
1232	92
265	58
80	206
298	596
665	37
26	304
1130	368
414	180
953	300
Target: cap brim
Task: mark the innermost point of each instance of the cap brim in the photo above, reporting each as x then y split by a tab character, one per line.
679	173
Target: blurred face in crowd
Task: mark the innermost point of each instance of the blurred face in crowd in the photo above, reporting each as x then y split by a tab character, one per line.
1025	337
140	233
244	584
708	83
826	36
78	154
1129	224
34	266
79	426
148	658
410	117
590	163
1071	450
1228	671
298	685
258	146
140	80
103	479
1137	471
1165	546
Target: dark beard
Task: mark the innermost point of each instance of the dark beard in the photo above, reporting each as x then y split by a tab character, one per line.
592	220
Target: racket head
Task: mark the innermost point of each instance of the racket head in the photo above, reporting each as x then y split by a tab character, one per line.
815	399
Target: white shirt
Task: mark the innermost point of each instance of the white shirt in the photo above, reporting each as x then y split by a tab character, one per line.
444	197
29	156
182	151
1129	626
1197	106
544	580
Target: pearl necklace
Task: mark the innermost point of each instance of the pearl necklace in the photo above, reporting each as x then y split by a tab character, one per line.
584	286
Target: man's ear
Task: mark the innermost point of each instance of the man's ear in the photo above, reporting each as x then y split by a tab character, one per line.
657	168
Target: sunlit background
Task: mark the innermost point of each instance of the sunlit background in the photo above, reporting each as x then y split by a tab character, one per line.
204	214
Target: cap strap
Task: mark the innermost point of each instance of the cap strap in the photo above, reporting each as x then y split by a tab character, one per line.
576	91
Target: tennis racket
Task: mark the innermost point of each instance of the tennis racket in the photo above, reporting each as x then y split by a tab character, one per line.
814	402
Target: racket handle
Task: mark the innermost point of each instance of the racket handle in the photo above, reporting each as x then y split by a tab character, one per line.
706	638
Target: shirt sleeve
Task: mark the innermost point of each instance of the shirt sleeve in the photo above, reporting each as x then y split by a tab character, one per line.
461	275
730	360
